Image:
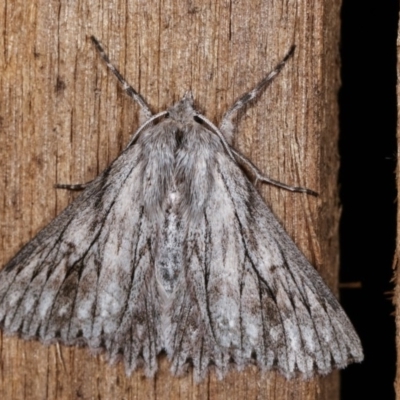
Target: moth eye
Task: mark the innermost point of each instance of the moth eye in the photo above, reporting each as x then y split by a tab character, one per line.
198	120
166	115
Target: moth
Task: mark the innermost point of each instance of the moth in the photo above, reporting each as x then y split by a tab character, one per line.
172	249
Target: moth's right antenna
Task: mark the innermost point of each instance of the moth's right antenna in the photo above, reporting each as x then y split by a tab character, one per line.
131	92
249	96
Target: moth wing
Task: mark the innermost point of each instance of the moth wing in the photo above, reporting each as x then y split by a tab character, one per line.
249	295
87	275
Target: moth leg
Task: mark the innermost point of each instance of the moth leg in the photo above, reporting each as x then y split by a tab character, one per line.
265	179
77	186
226	125
129	90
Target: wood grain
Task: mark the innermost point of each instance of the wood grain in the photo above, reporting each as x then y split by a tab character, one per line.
63	119
396	277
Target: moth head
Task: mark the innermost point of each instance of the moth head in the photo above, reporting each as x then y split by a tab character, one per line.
183	111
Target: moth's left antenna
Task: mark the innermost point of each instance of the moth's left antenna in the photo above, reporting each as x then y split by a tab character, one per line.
131	92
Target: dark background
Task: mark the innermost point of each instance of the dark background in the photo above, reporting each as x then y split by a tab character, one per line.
368	194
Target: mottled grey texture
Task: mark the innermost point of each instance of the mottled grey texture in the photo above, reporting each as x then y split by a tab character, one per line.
172	249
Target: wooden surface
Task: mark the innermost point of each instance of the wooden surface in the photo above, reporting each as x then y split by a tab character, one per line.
63	118
396	278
